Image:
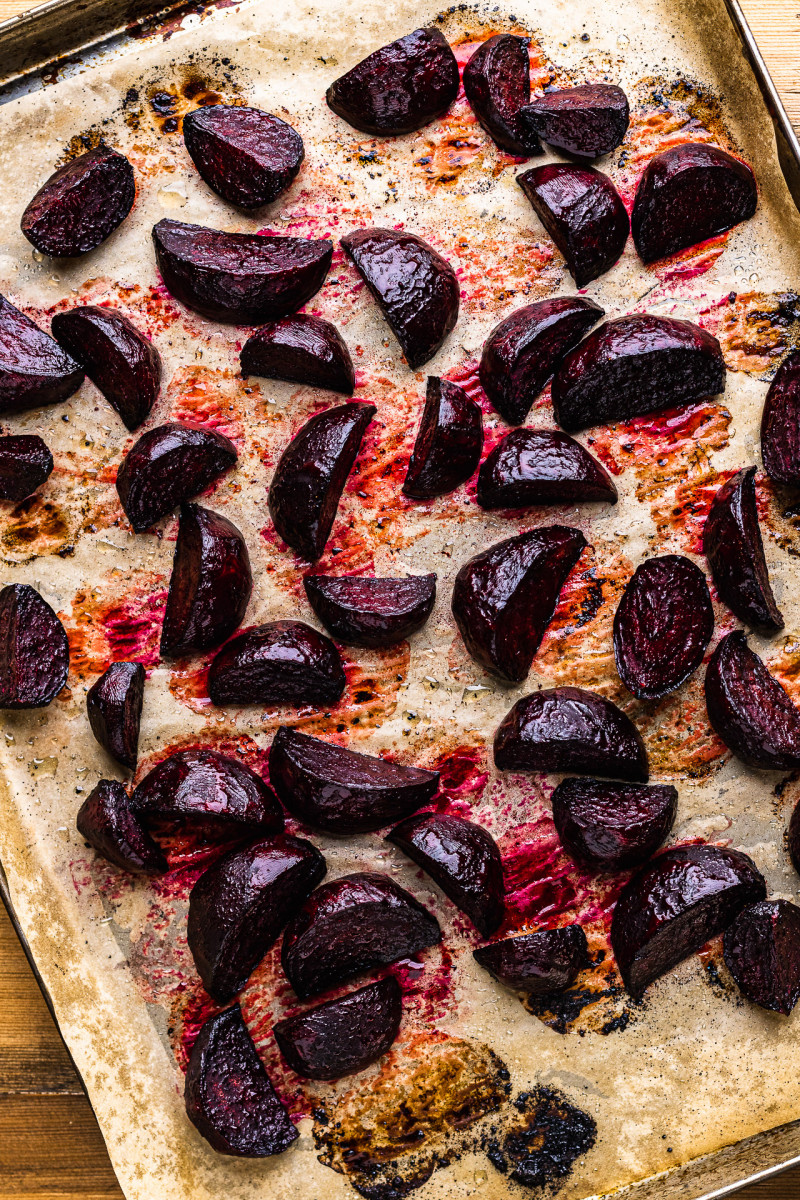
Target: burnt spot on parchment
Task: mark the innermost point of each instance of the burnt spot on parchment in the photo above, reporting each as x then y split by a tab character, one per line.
545	1135
596	1003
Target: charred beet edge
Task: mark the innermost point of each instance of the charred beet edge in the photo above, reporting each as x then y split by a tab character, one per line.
541	466
675	904
34	651
300	349
229	1097
636	365
583	213
523	351
239	906
762	953
734	548
586	121
114	709
351	925
239	278
497	82
449	442
780	423
547	960
416	288
210	584
570	729
248	157
204	786
504	598
25	464
311	473
81	204
339	790
687	194
612	825
361	611
344	1035
283	662
34	370
120	361
662	626
400	87
168	465
110	828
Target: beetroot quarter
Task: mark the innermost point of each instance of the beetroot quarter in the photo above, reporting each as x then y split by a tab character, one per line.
34	651
248	157
762	953
531	467
300	349
587	121
80	204
361	611
25	464
497	83
34	370
449	441
283	662
110	828
114	709
547	960
780	423
610	826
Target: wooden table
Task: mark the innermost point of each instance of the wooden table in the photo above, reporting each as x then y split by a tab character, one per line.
50	1146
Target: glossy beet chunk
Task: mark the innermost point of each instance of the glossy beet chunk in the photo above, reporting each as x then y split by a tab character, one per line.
114	709
675	904
780	423
80	204
34	370
541	466
108	825
449	441
300	349
361	611
415	287
209	788
25	464
240	905
687	194
339	790
547	960
283	662
504	598
587	121
762	953
734	548
248	157
34	651
610	826
497	82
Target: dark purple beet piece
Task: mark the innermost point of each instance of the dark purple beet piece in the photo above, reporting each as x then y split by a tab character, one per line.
122	363
793	838
662	626
734	548
239	906
25	463
612	825
570	729
344	1035
541	466
311	473
210	584
677	903
497	82
416	288
207	787
34	370
282	662
586	121
300	349
400	87
110	828
780	423
583	213
229	1097
762	953
351	925
166	466
361	611
248	157
504	598
239	278
81	204
449	441
687	194
34	651
114	709
547	960
339	790
636	365
462	858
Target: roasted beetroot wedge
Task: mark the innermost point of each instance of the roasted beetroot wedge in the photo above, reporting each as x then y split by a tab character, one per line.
361	611
248	157
504	598
762	953
570	729
547	960
110	828
25	464
687	194
81	204
662	626
497	82
541	466
120	361
675	904
339	790
240	905
612	825
34	651
583	213
635	365
462	858
239	278
34	370
311	473
351	925
114	709
229	1097
586	121
400	87
415	287
210	584
734	548
283	662
300	349
523	351
168	465
449	442
780	423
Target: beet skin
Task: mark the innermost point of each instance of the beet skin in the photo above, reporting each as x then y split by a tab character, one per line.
449	441
34	651
300	349
248	157
610	826
362	611
108	825
344	1035
497	83
762	953
283	662
541	466
547	960
80	204
114	709
25	464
